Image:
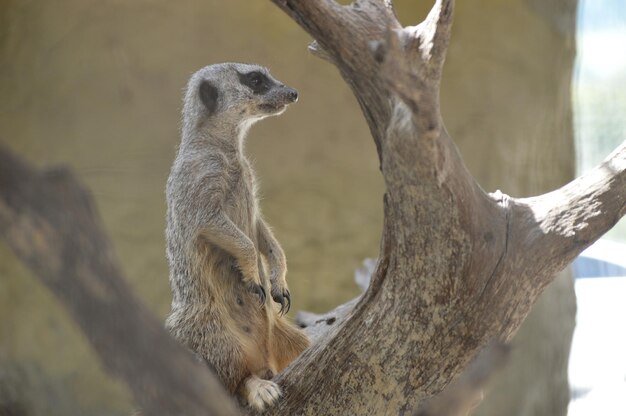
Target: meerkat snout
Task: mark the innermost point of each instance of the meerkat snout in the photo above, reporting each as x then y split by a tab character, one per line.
292	95
276	102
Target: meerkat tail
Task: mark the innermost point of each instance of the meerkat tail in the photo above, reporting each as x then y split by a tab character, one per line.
287	343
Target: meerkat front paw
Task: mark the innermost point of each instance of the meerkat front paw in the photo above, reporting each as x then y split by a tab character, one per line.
282	296
252	281
258	290
261	393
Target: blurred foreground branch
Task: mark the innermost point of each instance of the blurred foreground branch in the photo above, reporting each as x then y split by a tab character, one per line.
50	222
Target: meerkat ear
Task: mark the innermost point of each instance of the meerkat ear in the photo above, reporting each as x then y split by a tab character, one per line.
208	96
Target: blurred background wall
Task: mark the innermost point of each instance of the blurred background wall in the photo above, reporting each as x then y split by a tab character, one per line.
97	85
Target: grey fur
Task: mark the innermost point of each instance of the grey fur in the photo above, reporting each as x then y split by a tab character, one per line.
216	235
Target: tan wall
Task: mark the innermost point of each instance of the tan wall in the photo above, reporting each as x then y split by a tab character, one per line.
97	85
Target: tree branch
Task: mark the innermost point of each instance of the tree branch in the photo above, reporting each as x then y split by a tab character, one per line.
569	219
50	222
344	33
433	37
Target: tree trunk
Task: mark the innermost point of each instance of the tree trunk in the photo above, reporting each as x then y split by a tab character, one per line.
458	268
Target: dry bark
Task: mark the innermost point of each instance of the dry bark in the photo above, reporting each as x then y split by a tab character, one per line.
458	268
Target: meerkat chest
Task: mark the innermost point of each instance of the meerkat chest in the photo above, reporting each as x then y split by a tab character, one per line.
242	200
244	185
249	182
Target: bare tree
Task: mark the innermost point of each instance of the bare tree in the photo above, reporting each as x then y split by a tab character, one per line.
458	268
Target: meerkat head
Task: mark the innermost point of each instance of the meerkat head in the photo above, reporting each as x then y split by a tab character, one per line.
233	94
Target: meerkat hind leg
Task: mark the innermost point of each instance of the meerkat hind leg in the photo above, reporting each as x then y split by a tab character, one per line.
260	393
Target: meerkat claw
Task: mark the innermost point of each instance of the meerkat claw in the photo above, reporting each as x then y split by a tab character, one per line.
259	290
287	296
284	299
278	298
287	302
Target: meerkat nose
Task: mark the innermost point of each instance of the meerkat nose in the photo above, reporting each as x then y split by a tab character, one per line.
292	94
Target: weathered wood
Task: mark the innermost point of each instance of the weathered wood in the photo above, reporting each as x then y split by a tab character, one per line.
460	397
50	222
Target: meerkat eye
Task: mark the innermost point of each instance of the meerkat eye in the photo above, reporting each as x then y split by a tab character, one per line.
256	81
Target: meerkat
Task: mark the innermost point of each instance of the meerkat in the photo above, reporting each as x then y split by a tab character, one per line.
218	244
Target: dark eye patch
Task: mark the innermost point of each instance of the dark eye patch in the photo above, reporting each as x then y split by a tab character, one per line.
257	81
